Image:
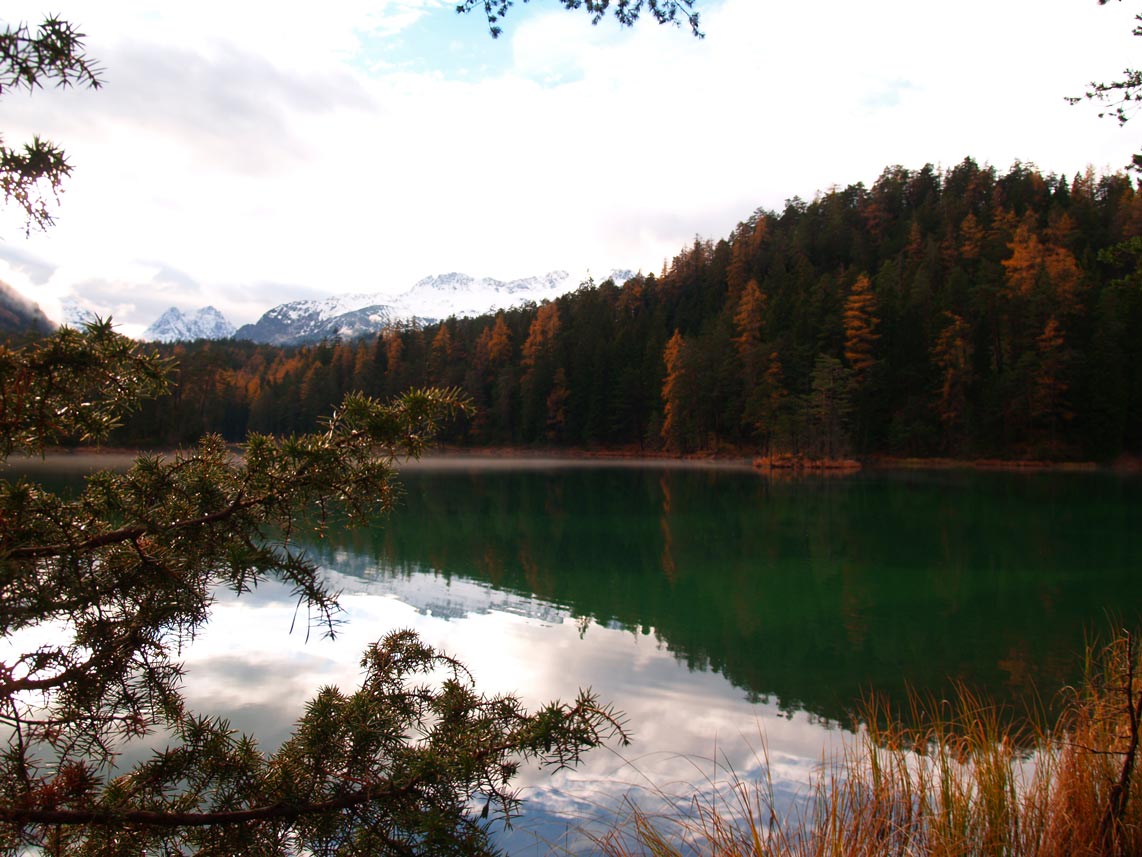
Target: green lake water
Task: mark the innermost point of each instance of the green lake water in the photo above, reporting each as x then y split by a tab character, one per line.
806	592
730	615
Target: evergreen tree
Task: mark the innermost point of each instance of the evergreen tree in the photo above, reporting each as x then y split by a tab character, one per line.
1049	407
34	173
829	406
869	276
952	353
100	591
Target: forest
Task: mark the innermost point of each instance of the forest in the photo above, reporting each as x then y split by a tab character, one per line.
955	312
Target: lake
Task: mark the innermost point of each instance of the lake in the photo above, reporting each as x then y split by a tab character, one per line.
736	619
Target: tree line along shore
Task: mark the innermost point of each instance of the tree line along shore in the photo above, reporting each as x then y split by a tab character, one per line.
963	313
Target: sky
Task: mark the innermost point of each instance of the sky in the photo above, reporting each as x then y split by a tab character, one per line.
242	155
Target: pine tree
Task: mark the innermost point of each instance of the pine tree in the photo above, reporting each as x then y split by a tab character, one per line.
100	590
32	175
952	354
829	406
557	407
1049	405
394	361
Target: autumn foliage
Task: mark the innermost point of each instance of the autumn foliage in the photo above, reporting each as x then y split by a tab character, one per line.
972	312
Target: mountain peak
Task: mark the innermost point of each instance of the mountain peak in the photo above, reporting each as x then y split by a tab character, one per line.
352	315
175	326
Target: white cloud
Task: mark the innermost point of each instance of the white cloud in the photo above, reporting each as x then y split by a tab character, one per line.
270	157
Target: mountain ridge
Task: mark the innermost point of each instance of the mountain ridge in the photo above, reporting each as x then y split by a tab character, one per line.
176	326
356	314
429	300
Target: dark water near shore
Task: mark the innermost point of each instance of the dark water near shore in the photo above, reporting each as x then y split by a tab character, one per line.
719	608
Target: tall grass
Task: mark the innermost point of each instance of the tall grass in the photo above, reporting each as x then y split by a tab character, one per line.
952	777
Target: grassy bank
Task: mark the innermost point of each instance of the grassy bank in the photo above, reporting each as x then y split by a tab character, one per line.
949	777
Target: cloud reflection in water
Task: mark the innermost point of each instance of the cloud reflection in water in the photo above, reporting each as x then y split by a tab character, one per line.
247	666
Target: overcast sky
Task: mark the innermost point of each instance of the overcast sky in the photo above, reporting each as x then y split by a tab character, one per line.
243	154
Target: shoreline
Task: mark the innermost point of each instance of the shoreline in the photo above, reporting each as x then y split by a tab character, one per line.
449	457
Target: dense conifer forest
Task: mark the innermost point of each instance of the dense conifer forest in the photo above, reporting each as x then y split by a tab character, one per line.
958	312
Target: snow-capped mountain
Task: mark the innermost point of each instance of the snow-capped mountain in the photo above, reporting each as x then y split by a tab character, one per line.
175	326
346	316
461	295
76	315
431	299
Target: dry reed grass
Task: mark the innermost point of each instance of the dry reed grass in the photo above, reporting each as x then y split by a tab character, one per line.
962	779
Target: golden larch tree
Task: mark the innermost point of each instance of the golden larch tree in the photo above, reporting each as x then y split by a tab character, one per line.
480	352
543	330
672	405
362	362
861	321
749	322
441	355
1044	270
500	342
1025	264
971	238
540	362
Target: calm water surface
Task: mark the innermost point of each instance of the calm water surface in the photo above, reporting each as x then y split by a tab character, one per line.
728	615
